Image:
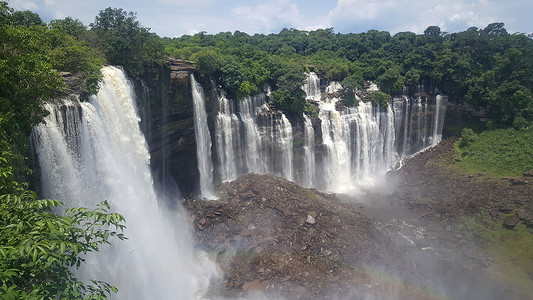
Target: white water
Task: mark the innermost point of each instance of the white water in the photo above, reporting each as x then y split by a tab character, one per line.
251	138
311	87
308	179
227	140
203	141
94	151
358	145
362	143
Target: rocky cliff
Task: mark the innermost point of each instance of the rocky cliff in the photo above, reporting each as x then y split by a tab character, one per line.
166	109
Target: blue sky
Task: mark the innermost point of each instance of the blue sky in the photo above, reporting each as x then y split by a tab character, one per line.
177	17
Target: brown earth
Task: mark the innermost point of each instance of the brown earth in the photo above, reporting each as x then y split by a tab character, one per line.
273	237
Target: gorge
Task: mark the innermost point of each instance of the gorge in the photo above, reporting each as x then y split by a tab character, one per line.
94	150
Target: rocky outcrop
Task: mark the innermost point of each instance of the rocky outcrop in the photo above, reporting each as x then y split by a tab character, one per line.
166	107
272	236
165	103
180	70
74	84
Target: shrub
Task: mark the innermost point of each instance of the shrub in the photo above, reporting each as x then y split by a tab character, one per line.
467	137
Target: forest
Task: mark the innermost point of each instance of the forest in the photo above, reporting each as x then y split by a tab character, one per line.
487	68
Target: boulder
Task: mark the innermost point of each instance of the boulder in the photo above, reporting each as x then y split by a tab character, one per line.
511	221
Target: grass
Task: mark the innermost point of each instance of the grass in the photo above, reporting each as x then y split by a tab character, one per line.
511	249
497	153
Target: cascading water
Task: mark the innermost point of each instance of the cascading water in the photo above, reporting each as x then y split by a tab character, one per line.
357	145
251	138
363	142
311	87
227	139
336	162
308	178
94	151
203	141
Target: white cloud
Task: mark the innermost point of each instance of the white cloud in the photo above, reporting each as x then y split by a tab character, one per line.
24	5
406	15
268	17
176	17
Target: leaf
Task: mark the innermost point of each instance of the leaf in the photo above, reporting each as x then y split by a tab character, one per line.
34	256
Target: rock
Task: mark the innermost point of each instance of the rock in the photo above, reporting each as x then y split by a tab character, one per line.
310	220
528	173
525	215
511	221
255	285
518	181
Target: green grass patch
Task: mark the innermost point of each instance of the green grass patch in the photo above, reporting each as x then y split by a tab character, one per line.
501	152
511	249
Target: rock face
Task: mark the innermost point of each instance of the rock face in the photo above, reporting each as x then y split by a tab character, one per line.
165	102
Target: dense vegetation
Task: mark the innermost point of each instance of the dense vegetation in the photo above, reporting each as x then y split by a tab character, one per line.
485	67
497	153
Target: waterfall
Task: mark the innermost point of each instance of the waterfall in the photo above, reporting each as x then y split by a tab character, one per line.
308	179
362	143
227	139
203	141
251	138
94	151
311	87
356	145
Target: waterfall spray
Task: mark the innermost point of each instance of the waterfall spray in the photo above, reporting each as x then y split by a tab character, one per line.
94	151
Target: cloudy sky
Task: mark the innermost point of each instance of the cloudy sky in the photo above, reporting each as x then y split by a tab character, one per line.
177	17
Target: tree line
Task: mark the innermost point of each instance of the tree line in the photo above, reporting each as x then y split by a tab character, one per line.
484	67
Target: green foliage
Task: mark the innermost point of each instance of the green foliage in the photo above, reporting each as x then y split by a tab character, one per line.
69	26
27	78
380	98
39	248
467	137
350	84
391	81
520	123
25	18
207	61
511	248
124	41
289	102
500	152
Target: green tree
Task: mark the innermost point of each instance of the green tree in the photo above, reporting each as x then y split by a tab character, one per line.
467	137
124	41
73	27
380	98
207	61
39	249
27	78
26	18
